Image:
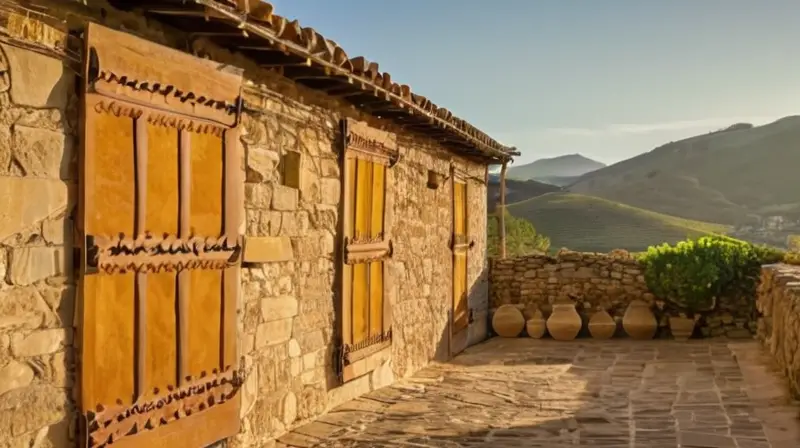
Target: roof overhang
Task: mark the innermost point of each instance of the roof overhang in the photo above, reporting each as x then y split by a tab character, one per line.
250	28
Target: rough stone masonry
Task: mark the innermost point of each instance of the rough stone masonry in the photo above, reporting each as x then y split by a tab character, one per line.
287	307
594	280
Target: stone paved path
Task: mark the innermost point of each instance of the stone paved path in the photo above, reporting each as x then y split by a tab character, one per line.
544	393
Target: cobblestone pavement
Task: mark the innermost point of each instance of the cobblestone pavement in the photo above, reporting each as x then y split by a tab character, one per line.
543	393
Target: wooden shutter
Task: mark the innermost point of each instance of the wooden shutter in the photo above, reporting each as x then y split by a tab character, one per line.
460	250
159	236
366	315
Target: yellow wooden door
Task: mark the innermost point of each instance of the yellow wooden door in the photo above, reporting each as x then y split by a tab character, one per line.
460	247
366	183
159	219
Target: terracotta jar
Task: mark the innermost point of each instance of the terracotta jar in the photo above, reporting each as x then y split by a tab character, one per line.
507	321
536	326
681	327
565	323
602	325
638	321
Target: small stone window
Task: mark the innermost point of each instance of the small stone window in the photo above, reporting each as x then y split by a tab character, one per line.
289	167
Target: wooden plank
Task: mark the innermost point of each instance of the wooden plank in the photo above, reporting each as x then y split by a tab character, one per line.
205	310
376	291
460	287
361	290
140	290
163	186
184	281
349	233
111	297
199	430
232	220
122	54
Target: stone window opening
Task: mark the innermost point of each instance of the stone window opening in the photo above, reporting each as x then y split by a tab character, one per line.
366	312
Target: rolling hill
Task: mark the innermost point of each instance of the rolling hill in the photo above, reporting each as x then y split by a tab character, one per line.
586	223
569	166
732	176
516	190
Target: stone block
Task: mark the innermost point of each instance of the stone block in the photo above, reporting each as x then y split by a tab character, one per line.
32	408
15	375
261	163
31	264
277	308
57	231
22	308
40	342
289	408
267	249
27	201
44	153
284	198
274	332
382	376
257	196
37	80
331	191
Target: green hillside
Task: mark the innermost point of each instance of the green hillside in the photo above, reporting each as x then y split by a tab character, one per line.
593	224
731	176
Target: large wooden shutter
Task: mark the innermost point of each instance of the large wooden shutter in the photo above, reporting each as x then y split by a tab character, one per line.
460	250
366	319
159	232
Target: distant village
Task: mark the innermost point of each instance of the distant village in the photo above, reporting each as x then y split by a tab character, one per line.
775	230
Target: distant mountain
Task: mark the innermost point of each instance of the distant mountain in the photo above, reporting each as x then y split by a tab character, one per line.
556	168
516	190
736	175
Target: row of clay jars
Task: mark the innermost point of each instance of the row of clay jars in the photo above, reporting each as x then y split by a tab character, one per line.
565	323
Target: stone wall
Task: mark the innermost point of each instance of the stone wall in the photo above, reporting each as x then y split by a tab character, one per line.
594	280
779	325
287	321
38	130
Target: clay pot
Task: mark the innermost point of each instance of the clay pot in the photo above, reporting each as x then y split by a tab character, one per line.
602	325
536	325
565	323
507	321
638	321
681	327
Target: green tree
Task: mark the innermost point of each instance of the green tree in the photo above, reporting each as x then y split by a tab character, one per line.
521	237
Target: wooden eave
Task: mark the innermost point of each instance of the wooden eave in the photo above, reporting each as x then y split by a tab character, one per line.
250	28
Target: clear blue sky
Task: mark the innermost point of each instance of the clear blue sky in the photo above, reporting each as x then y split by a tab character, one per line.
605	78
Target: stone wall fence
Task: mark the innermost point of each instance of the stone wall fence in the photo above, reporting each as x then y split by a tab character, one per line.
609	280
778	301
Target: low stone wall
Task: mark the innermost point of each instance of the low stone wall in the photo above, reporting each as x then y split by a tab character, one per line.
778	302
594	280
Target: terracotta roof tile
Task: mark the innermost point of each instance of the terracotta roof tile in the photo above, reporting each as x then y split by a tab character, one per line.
307	42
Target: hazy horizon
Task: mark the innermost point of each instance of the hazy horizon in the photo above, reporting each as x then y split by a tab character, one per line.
608	80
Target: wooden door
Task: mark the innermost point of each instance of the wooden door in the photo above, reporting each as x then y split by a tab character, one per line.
159	232
460	250
366	313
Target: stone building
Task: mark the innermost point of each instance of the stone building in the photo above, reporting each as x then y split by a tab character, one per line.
215	225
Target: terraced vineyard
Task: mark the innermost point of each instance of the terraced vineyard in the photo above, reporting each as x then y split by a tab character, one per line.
587	223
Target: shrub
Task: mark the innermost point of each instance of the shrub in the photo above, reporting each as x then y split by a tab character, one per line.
521	237
694	273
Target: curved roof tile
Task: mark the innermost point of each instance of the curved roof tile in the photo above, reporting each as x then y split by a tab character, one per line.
317	46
